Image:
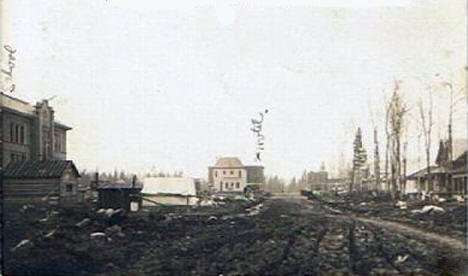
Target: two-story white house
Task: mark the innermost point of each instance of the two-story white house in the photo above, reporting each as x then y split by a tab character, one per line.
230	175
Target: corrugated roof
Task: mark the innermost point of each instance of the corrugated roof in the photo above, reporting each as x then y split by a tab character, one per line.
38	169
228	162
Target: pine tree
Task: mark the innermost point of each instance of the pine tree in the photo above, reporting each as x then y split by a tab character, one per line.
359	158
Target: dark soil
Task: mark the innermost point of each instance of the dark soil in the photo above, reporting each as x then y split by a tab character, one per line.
287	237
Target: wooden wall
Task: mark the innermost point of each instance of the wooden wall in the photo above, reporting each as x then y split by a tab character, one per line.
40	190
31	189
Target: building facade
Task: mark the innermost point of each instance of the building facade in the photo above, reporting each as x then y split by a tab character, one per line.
30	132
230	175
317	181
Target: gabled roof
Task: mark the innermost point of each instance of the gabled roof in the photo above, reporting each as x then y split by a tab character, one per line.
459	148
228	162
461	159
39	169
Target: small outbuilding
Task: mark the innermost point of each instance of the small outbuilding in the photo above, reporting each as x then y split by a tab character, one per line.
52	181
169	191
119	195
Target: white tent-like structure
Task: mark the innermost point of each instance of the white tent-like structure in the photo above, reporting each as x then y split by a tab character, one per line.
169	191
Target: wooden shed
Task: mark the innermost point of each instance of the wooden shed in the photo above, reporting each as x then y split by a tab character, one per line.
119	195
53	181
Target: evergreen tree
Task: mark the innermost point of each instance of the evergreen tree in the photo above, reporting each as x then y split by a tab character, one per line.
359	158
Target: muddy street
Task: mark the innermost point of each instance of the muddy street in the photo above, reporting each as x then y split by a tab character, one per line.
291	235
280	235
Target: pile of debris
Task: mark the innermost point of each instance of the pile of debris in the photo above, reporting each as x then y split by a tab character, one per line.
41	239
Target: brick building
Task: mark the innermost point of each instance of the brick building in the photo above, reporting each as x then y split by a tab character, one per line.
30	132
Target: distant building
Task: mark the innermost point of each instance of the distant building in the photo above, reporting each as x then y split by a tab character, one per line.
230	175
30	132
49	181
318	181
336	184
448	176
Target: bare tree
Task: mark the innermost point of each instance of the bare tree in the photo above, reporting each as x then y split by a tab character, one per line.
426	125
405	160
396	113
376	150
387	145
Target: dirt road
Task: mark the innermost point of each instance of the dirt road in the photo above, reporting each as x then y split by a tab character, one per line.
282	235
293	236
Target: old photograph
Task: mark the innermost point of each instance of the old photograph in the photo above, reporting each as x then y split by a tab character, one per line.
198	137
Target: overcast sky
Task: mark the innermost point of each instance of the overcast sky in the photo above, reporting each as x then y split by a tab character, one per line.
173	85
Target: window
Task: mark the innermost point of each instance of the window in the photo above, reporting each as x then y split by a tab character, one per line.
232	184
17	156
216	173
232	172
22	134
240	173
226	185
16	133
12	132
237	185
69	188
63	145
224	172
57	142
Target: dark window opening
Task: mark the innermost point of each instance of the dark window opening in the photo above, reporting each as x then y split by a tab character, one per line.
232	172
240	173
237	185
16	133
22	134
69	188
57	143
12	132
